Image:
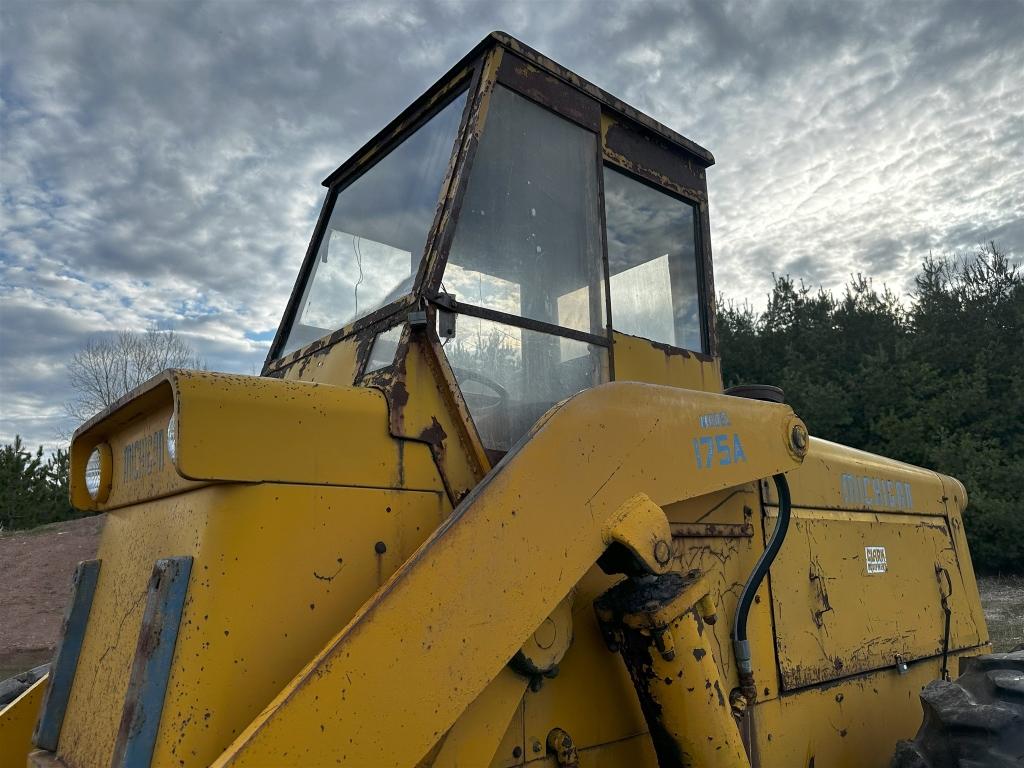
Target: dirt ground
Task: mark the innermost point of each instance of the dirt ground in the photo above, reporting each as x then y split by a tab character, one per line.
35	583
36	568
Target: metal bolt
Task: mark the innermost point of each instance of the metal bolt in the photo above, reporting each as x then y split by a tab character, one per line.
664	643
662	552
537	746
799	438
380	547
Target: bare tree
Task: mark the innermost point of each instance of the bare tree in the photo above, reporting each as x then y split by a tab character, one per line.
108	367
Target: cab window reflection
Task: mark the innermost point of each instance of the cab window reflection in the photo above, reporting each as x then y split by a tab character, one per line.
652	262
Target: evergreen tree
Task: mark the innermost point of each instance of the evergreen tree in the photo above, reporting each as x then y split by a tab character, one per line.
939	383
33	491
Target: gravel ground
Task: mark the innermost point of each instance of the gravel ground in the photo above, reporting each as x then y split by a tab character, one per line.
35	583
1003	600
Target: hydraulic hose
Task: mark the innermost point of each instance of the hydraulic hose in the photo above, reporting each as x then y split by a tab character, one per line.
740	644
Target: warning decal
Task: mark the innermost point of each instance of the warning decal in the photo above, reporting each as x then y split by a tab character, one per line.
874	558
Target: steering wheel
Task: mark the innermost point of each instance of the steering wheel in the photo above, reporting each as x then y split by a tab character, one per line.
483	403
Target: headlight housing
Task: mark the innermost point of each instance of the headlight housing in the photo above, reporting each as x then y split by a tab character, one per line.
98	470
172	439
93	473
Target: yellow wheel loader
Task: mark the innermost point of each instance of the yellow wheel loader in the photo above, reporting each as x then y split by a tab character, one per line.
488	504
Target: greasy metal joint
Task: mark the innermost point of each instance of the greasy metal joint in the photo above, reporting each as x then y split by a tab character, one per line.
560	744
631	531
799	439
664	643
662	552
540	655
738	702
707	610
659	631
744	668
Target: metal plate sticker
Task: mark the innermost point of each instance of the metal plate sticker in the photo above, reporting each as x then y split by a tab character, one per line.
874	559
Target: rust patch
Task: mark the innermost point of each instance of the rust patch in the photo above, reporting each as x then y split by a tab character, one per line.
375	319
546	89
473	122
434	434
398	398
712	530
679	352
540	60
655	160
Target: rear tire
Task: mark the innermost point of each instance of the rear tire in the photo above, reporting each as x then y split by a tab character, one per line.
976	721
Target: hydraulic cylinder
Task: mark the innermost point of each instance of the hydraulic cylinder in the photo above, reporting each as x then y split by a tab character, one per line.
658	625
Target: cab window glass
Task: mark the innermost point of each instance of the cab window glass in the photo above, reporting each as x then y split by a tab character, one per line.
527	245
528	238
375	236
652	262
509	376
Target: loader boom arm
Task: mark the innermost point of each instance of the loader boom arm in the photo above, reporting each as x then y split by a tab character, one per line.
466	601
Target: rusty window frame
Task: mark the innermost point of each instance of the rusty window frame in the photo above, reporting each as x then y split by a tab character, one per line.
605	264
698	247
459	80
482	67
667	169
496	72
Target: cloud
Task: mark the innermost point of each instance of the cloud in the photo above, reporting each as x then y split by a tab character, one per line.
161	161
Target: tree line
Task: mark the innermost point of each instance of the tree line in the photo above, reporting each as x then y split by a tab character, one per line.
936	380
33	488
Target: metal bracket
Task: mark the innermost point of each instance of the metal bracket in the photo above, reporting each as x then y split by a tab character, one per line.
62	671
639	526
151	669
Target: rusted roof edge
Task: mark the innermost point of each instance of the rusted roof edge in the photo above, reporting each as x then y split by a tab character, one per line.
608	100
539	60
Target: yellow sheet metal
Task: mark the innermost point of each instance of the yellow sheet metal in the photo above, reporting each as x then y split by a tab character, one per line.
834	618
17	720
244	429
852	725
277	570
451	614
639	359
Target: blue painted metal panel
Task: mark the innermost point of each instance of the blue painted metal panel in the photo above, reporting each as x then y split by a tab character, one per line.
65	664
151	669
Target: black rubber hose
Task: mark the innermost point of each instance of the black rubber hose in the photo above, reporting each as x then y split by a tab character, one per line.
741	647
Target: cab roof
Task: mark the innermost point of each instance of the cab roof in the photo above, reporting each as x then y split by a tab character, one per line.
697	153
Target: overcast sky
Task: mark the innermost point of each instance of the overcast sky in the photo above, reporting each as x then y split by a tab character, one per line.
161	161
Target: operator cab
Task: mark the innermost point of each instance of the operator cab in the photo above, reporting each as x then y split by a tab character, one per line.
542	235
